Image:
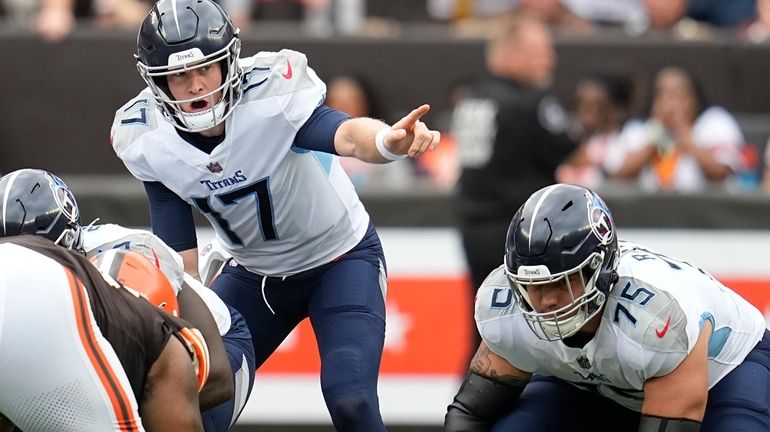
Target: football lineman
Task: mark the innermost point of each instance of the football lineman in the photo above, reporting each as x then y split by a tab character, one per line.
583	332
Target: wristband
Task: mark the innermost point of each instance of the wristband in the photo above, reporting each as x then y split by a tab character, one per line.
379	142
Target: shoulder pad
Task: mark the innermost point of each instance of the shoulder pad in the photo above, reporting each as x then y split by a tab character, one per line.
270	74
495	296
137	117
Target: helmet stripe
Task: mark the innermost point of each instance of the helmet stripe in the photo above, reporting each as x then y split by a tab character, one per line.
6	193
176	18
542	198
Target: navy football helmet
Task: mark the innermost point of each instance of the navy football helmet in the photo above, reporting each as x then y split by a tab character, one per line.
39	203
181	35
562	233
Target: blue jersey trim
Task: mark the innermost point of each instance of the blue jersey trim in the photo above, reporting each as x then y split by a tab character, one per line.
318	131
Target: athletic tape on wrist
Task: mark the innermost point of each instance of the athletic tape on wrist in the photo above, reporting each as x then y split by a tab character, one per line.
379	142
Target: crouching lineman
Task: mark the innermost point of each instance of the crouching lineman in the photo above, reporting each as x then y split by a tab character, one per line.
81	354
582	332
227	336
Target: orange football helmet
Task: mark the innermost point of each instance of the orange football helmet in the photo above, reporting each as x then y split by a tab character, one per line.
139	275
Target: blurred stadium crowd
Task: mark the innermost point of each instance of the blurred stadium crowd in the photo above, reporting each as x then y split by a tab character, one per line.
625	127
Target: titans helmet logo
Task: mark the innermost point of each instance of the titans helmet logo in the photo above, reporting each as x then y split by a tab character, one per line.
600	219
64	198
601	225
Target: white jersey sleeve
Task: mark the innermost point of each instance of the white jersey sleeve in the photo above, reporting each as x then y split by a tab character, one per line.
137	117
288	76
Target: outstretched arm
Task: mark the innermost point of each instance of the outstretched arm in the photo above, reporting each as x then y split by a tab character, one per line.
373	141
490	390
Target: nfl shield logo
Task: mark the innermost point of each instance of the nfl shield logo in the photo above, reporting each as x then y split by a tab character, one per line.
214	167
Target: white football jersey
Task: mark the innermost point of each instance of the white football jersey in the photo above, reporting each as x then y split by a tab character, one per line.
279	210
98	238
651	321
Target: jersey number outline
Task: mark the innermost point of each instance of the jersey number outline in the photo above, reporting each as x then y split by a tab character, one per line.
647	295
141	118
261	191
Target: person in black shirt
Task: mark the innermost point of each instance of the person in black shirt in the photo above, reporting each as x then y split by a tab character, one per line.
511	135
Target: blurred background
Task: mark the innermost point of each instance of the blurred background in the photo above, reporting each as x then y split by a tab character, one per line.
666	104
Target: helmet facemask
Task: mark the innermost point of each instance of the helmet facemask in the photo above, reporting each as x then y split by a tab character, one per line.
70	237
570	318
188	60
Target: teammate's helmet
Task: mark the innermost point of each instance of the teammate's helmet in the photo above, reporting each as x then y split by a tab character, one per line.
138	274
36	202
562	230
181	35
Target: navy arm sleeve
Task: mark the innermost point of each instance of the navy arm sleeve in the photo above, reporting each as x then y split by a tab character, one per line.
318	131
171	217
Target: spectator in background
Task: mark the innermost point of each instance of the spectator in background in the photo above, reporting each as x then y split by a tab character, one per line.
54	20
723	14
766	174
454	10
685	145
243	12
350	95
664	14
602	108
126	14
607	12
759	30
511	134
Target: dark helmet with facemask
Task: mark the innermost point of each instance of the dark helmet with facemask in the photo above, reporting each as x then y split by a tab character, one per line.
562	231
181	35
36	202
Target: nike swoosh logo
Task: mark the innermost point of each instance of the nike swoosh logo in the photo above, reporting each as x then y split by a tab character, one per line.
288	73
662	332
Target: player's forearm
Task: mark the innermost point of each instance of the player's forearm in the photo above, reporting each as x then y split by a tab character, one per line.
355	138
190	259
490	389
479	403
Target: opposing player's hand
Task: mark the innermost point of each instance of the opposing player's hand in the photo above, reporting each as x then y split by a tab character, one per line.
411	136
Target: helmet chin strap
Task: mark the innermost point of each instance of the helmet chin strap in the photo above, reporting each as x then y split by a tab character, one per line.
202	120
